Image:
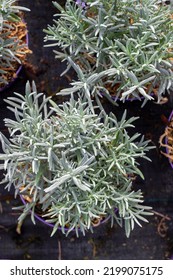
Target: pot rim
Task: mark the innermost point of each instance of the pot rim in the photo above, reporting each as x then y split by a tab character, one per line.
60	228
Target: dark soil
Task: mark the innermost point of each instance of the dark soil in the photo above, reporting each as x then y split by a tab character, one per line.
155	239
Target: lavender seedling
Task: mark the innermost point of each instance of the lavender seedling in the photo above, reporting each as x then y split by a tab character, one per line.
124	47
75	165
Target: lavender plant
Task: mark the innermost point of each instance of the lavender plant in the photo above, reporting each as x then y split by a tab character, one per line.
74	164
124	47
12	49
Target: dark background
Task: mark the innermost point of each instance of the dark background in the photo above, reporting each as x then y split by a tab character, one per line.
155	239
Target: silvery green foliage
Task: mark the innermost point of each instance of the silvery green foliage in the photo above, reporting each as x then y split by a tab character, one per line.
75	164
9	11
9	46
127	44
